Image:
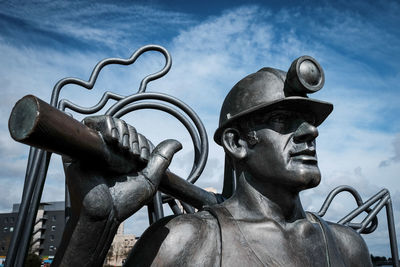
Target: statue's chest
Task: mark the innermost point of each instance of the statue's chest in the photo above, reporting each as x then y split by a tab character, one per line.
299	244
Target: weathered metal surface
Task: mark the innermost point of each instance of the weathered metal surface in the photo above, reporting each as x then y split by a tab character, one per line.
36	123
268	128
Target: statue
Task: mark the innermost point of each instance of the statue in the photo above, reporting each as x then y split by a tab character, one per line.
268	127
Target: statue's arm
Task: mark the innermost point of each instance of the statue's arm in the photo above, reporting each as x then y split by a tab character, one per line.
103	197
85	241
91	228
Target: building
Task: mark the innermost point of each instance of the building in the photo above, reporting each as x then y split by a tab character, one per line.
120	247
7	225
47	231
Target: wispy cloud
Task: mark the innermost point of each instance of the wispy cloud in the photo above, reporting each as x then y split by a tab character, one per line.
396	157
83	25
209	57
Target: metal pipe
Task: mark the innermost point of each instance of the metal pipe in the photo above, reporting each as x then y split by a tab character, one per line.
374	212
362	208
32	212
158	207
23	210
174	207
392	233
31	158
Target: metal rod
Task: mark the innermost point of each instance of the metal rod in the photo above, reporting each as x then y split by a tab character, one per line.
392	233
150	213
158	207
95	73
362	208
31	157
23	210
174	207
187	207
374	212
30	218
334	193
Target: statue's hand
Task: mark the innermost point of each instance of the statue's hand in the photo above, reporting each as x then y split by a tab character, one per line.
97	191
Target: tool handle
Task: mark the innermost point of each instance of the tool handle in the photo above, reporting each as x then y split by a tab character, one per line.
38	124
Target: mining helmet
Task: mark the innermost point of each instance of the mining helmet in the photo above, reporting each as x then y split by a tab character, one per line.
271	89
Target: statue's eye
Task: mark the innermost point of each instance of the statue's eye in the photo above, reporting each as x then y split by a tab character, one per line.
279	118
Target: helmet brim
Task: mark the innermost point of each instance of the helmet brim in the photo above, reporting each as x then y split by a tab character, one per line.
320	109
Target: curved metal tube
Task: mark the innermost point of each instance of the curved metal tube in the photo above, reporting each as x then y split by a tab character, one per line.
335	192
95	73
363	227
64	103
176	114
184	107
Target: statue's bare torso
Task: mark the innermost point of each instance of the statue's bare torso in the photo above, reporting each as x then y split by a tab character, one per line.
196	240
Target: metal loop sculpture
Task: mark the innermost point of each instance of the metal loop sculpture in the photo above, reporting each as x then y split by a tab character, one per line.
370	222
38	160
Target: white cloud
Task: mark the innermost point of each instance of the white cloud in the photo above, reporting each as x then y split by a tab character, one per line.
209	57
396	157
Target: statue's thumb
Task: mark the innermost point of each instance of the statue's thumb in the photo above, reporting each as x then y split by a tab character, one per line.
160	159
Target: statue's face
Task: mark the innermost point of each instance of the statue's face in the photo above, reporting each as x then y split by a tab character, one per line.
285	153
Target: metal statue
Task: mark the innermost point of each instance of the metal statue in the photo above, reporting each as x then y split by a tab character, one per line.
268	130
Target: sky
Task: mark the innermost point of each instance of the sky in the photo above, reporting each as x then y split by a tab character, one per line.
213	45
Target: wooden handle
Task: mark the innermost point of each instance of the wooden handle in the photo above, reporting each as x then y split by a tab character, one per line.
38	124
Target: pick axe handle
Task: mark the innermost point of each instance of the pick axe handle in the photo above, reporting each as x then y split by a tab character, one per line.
38	124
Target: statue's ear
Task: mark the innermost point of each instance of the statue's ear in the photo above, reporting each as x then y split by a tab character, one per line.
233	144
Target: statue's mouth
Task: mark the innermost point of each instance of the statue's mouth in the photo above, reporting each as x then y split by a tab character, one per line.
307	155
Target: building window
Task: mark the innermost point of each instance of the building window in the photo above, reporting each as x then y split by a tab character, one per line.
11	229
53	218
5	229
51	248
53	228
51	237
12	220
6	220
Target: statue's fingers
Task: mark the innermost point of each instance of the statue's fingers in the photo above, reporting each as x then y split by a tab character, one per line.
160	159
144	148
94	122
151	146
123	132
109	131
133	141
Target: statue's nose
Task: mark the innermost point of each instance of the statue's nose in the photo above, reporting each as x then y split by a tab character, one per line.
305	133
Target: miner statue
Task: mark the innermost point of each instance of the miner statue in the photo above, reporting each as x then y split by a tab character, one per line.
268	130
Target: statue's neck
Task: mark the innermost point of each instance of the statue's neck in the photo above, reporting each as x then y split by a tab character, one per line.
267	201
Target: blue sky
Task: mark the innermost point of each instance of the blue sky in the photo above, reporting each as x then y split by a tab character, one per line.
213	45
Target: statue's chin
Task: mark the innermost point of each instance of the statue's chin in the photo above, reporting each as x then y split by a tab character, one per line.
304	177
311	180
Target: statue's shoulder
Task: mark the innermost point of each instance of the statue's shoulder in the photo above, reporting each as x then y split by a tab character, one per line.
351	244
179	240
